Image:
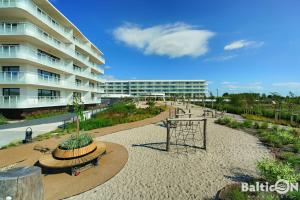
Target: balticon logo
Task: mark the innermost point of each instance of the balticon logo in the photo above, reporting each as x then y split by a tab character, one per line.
281	187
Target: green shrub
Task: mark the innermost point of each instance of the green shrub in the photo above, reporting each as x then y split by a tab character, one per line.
247	123
3	120
224	120
236	194
293	195
296	146
151	103
256	125
291	158
267	196
277	138
75	142
95	123
234	124
264	125
272	171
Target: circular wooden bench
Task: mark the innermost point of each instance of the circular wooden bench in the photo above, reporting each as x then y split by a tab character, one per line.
49	161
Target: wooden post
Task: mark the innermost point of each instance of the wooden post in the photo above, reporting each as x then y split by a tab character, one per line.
168	136
204	133
22	183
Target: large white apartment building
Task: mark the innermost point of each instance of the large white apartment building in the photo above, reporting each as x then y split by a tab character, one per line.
44	59
166	88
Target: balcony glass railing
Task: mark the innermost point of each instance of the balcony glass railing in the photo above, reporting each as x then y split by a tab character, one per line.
28	53
26	28
33	9
22	77
23	101
88	49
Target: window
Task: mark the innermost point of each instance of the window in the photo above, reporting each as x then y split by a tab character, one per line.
47	75
78	81
11	91
77	94
43	53
48	93
92	85
76	68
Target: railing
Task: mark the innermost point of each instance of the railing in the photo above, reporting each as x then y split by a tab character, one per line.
23	77
30	29
21	101
21	51
30	7
88	49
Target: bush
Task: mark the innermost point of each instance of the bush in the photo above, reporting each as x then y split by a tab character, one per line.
296	146
224	120
277	138
294	195
235	194
291	158
272	171
3	120
247	123
95	123
75	142
151	103
267	196
264	125
234	124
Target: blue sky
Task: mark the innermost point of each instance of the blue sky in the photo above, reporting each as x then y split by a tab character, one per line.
238	46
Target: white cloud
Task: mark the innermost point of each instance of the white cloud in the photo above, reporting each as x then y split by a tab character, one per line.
172	40
220	58
293	85
235	86
243	44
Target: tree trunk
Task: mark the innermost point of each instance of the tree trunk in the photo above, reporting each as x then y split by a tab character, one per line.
22	183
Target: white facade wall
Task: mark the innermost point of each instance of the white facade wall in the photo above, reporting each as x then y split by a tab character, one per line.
26	26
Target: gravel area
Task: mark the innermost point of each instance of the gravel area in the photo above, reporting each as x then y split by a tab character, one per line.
152	173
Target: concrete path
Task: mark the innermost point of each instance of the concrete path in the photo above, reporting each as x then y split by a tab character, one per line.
16	134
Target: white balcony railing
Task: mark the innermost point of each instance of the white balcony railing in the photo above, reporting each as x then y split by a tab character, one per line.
88	49
28	53
40	101
33	9
25	28
22	77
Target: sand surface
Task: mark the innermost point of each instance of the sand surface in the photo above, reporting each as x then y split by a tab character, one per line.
152	173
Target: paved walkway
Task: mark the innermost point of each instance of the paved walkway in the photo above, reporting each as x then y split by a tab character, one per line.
16	134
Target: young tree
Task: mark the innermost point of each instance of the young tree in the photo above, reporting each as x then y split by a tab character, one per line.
78	109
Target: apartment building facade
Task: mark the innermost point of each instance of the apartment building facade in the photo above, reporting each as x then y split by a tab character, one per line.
165	88
44	59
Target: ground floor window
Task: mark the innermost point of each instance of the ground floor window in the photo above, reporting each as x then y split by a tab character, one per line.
48	93
11	91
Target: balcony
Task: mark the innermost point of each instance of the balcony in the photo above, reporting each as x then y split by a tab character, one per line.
23	101
31	78
88	49
32	101
34	10
28	53
25	28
